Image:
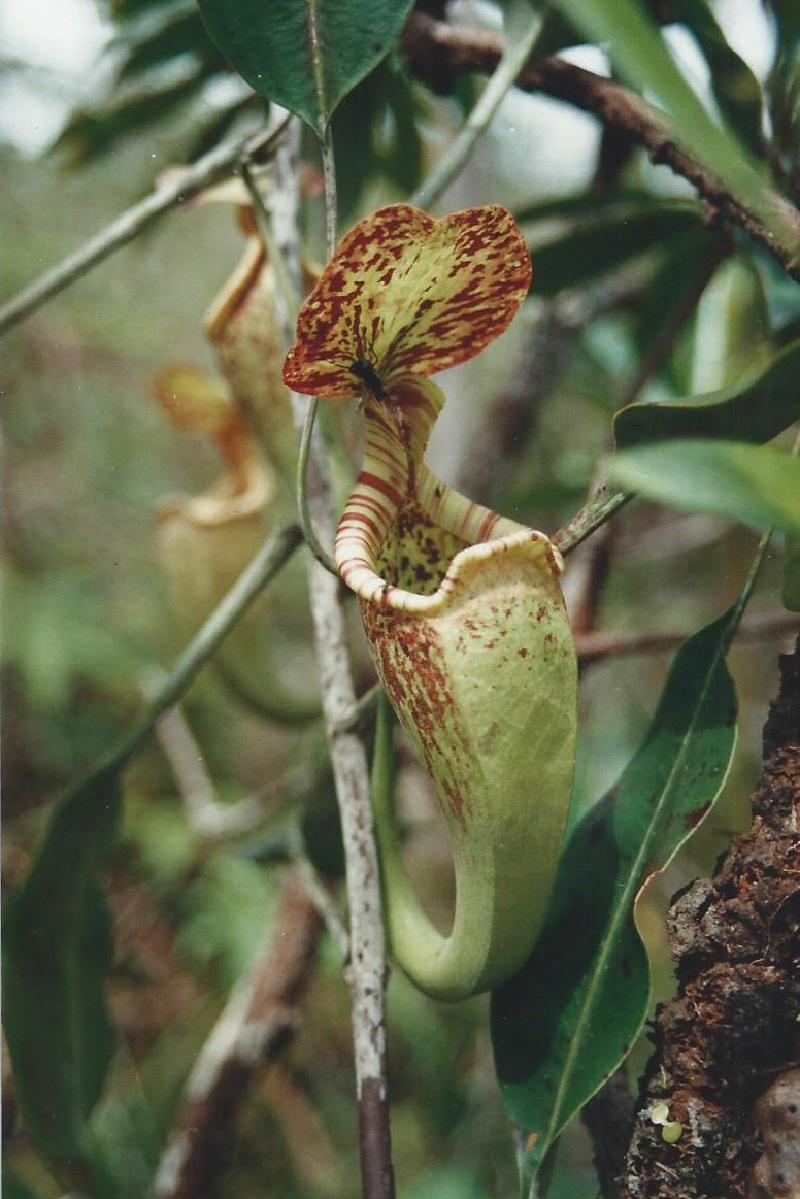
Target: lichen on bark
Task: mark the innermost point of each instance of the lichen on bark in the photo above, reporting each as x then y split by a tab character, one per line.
734	1025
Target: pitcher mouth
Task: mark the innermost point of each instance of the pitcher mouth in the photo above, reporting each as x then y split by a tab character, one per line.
521	545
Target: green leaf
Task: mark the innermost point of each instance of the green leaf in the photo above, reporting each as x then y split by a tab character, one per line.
181	32
757	485
689	261
305	54
90	133
56	953
641	55
565	1023
736	89
790	590
756	408
587	250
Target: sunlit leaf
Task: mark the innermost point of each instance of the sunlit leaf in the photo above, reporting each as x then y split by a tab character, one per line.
756	409
757	485
565	1023
305	54
56	954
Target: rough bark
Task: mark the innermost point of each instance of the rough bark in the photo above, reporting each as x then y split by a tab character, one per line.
733	1029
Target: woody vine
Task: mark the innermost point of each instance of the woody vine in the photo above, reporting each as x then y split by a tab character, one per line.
321	415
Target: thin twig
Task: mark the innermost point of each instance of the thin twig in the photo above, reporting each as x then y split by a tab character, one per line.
598	647
592	515
217	164
514	58
209	819
290	294
351	773
258	1021
431	45
272	557
331	201
307	432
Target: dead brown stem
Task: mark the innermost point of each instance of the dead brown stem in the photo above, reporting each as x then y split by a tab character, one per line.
257	1023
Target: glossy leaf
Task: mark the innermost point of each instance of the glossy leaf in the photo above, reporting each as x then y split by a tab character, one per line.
305	54
756	408
757	485
565	1023
736	89
56	953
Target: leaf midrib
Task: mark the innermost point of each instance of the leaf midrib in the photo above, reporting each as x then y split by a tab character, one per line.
630	887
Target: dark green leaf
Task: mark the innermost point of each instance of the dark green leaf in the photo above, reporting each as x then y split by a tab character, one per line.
689	260
89	134
585	252
756	409
565	1023
183	33
15	1188
363	146
736	89
783	84
790	591
56	954
591	206
305	54
757	485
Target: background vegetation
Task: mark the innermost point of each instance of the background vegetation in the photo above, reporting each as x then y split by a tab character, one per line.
641	291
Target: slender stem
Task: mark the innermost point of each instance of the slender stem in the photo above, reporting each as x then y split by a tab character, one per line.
301	489
217	164
362	715
368	964
287	285
513	60
331	202
273	556
317	549
290	295
592	515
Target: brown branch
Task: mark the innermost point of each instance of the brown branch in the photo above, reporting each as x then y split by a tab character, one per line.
432	47
259	1020
597	647
733	1027
368	967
